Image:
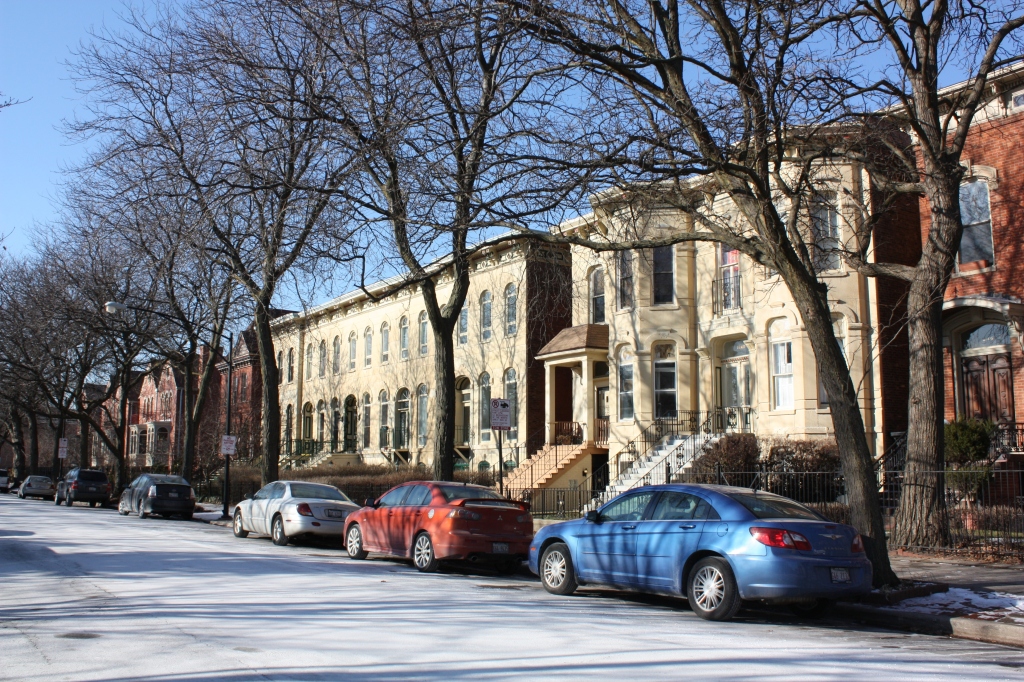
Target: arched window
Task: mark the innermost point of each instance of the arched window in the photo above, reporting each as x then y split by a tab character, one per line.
424	332
485	407
323	358
307	422
625	280
351	351
985	336
367	347
464	324
781	359
403	337
512	396
976	214
309	361
385	342
385	433
402	419
421	414
625	384
335	424
288	428
485	316
511	302
291	365
280	366
366	420
597	296
336	365
321	423
664	381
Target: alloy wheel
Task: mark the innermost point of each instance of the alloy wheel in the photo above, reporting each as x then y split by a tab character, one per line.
709	588
423	551
554	570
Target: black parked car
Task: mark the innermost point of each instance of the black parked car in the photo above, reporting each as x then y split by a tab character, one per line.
83	485
158	494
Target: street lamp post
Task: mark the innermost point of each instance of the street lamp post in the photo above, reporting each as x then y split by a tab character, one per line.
227	457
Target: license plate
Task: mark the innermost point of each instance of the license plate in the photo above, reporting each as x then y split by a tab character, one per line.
334	513
840	575
172	494
92	489
499	547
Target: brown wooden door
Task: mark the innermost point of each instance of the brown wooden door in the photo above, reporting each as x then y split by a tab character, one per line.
988	387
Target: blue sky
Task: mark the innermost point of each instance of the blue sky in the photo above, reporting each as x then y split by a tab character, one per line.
36	38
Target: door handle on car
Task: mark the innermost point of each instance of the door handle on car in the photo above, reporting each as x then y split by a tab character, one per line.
688	526
628	527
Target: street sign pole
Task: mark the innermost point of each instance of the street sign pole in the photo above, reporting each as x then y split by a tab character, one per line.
227	458
501	420
501	468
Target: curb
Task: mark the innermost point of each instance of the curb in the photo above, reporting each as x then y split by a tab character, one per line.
933	624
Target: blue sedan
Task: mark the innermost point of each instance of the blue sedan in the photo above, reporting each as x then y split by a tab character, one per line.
714	545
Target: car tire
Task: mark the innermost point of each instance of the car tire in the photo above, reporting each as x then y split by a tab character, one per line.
557	574
423	556
812	609
354	542
56	499
121	509
142	511
68	500
21	495
277	534
711	590
237	527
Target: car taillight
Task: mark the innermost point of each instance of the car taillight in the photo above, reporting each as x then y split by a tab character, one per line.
463	514
74	485
152	491
522	518
858	545
304	509
778	537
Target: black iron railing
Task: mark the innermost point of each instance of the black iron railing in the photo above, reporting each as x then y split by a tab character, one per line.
725	292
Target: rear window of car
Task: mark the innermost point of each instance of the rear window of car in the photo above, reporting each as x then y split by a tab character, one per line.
775	507
92	476
314	491
40	480
3	472
174	480
465	492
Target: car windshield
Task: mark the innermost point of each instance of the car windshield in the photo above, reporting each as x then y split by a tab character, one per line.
315	491
466	492
92	476
3	472
40	480
774	507
178	480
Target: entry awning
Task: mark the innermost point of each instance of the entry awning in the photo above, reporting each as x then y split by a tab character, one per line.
580	337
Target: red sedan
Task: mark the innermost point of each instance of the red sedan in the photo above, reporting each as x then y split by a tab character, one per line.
431	522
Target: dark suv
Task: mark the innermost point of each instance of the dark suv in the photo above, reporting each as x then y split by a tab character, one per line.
83	485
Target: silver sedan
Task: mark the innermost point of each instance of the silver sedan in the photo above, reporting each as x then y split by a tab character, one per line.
287	509
37	486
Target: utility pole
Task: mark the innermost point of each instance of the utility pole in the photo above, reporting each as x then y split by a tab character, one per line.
227	431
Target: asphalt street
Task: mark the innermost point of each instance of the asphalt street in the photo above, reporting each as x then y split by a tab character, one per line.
86	594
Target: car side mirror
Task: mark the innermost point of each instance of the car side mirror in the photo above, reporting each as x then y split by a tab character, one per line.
370	502
248	496
593	517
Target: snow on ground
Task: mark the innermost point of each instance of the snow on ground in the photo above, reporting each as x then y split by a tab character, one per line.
965	602
88	595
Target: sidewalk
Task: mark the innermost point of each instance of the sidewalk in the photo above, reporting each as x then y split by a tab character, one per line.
985	601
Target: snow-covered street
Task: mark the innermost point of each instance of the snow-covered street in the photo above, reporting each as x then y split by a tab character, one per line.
88	595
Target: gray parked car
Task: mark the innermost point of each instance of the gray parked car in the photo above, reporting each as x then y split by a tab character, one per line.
37	486
83	485
5	481
286	509
159	494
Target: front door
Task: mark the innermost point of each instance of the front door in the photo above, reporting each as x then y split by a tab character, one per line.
669	537
988	387
607	547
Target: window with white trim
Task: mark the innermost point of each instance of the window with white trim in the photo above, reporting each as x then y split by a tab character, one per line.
976	214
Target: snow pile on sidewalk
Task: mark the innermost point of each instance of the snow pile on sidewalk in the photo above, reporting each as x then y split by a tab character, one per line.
959	601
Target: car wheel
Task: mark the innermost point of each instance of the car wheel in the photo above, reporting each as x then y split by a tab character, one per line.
354	542
21	495
816	608
712	590
237	527
56	499
142	511
277	533
423	556
121	509
556	570
68	500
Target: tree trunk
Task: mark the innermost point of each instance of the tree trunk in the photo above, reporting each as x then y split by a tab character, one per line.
271	431
84	444
444	404
33	443
848	424
18	443
921	519
189	423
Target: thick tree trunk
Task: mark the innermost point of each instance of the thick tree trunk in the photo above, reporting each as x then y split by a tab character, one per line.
444	404
848	424
271	431
189	424
33	443
18	443
921	519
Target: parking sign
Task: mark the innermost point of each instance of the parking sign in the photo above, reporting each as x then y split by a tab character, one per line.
501	415
227	444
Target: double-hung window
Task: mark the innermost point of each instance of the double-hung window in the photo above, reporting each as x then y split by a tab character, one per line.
975	212
663	278
782	374
827	235
625	280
